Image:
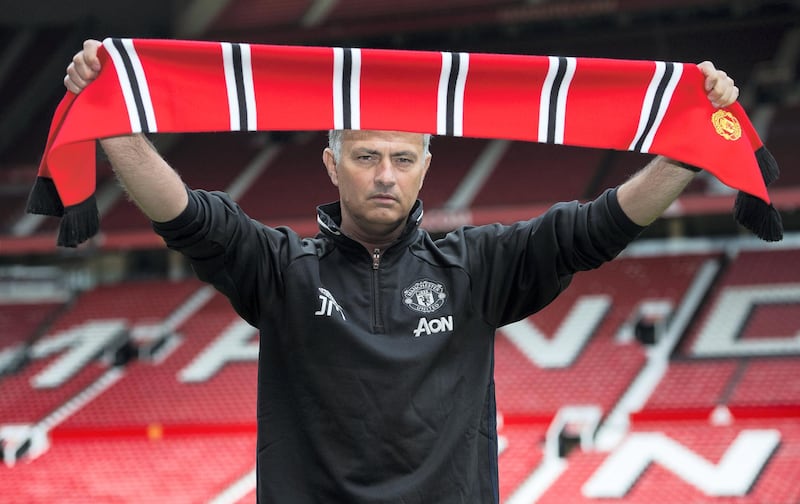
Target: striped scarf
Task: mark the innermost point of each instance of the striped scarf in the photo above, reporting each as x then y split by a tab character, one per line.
154	86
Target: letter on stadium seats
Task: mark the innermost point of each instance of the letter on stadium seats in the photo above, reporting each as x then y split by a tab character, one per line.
733	476
570	337
233	345
720	334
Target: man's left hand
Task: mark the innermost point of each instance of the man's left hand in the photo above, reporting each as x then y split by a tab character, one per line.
720	88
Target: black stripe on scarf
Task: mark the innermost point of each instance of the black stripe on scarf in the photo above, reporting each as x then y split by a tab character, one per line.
238	74
656	105
553	108
137	93
452	80
347	70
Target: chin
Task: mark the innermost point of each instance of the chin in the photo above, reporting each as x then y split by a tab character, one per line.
389	219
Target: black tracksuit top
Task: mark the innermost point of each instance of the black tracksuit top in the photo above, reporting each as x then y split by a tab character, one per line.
375	380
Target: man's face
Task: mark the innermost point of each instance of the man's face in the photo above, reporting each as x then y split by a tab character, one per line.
379	177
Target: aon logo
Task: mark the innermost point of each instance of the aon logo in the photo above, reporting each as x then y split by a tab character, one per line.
433	326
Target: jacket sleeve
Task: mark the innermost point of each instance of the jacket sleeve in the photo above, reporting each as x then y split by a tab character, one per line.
529	263
239	256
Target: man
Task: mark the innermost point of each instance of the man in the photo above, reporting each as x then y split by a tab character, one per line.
376	361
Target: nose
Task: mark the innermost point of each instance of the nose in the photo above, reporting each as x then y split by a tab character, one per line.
384	173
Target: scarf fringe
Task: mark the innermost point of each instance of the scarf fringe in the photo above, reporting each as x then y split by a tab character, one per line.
79	223
44	199
768	165
762	219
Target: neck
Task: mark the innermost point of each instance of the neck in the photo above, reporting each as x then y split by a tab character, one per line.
372	240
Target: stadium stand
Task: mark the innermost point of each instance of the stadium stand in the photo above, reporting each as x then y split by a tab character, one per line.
782	142
203	162
20	321
176	389
668	375
297	169
140	468
611	361
684	462
453	159
68	358
562	174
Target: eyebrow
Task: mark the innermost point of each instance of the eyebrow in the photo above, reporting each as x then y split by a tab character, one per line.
405	153
365	150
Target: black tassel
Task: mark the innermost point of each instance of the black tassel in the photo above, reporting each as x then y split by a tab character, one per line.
44	199
762	219
79	223
768	165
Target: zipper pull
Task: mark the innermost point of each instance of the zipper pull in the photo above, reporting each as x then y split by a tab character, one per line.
376	258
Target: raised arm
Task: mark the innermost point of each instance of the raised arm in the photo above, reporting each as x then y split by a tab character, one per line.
149	181
648	193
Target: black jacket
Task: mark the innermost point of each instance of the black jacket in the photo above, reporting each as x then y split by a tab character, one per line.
376	372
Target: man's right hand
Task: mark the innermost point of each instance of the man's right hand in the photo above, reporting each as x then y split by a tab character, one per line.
84	67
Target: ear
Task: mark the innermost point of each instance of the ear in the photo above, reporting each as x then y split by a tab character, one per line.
330	165
427	164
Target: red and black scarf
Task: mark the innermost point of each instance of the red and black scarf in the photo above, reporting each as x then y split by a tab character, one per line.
154	86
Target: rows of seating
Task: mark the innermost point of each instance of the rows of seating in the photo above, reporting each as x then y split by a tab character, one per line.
293	183
147	468
282	21
452	159
783	134
606	366
530	173
522	452
742	383
21	320
134	302
706	444
154	390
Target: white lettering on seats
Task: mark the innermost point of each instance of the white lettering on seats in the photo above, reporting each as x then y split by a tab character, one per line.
732	476
720	335
233	345
569	339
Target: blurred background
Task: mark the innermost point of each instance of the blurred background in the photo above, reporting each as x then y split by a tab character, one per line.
669	375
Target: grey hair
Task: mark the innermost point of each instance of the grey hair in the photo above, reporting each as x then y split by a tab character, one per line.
335	143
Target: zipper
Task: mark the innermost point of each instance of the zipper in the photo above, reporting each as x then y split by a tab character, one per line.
377	321
376	259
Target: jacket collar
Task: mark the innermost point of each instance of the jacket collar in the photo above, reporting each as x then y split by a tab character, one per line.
329	219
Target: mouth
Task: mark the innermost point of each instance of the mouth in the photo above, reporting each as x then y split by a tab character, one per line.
383	198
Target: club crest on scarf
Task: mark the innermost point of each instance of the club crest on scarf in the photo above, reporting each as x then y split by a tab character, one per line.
425	296
727	125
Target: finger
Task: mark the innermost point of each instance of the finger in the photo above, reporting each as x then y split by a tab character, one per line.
729	96
90	48
71	85
709	71
721	85
74	77
725	95
724	92
81	68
